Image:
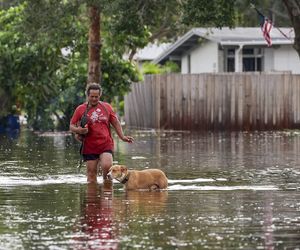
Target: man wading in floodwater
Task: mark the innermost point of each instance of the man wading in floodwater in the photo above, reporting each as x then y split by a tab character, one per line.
91	125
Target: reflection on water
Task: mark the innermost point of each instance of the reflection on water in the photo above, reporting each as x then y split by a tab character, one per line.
96	219
144	202
226	191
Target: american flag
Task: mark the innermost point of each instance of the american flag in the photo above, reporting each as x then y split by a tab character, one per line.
266	29
266	26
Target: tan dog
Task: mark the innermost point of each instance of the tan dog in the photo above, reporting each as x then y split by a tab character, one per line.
145	179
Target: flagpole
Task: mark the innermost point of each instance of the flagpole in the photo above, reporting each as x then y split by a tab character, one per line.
258	12
283	33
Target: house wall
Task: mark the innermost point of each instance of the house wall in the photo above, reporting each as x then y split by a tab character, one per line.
204	58
207	58
184	64
286	59
221	60
268	60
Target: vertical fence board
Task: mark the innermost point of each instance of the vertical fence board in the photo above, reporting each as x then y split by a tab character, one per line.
189	103
157	101
201	108
194	93
177	102
184	102
296	82
168	113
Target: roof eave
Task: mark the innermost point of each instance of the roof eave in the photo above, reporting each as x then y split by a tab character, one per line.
262	42
177	44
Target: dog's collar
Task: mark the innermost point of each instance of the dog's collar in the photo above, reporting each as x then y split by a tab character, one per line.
125	179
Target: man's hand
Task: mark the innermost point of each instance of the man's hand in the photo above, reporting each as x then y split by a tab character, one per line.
82	131
128	139
79	130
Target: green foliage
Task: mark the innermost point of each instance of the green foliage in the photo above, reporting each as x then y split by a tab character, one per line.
125	28
170	67
47	84
54	22
132	24
117	75
214	13
29	69
151	68
9	62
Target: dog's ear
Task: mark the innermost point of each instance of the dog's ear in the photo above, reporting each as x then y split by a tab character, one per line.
123	169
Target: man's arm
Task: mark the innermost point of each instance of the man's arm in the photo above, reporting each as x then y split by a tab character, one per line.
78	130
117	125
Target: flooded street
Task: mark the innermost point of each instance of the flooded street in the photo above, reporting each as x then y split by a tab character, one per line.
226	191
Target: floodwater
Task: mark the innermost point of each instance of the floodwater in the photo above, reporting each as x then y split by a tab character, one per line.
226	191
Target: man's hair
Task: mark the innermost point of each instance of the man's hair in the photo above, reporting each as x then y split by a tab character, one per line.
93	86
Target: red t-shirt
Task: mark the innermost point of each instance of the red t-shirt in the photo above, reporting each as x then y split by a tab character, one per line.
99	138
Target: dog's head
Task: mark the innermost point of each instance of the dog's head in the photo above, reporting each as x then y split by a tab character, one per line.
118	172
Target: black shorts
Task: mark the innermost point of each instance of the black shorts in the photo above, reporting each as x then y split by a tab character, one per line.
92	157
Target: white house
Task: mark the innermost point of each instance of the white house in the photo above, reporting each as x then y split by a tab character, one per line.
233	50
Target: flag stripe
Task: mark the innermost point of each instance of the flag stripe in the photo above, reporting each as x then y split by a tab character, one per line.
266	29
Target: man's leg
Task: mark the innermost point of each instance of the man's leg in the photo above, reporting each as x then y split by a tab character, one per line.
106	161
91	169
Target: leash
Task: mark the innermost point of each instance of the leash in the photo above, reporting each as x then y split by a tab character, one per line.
80	160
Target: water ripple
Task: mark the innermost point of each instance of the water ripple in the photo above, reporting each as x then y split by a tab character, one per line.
221	188
23	181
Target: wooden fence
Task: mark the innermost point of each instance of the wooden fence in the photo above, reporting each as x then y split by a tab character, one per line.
223	101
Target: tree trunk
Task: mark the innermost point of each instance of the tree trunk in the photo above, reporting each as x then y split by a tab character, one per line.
94	67
293	8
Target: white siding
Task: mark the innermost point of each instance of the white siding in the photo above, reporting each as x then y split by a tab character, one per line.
268	59
204	58
286	59
221	60
184	64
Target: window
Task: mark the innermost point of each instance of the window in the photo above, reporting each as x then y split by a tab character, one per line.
230	60
189	63
252	59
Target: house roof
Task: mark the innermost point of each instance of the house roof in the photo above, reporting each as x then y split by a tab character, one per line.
151	51
225	37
